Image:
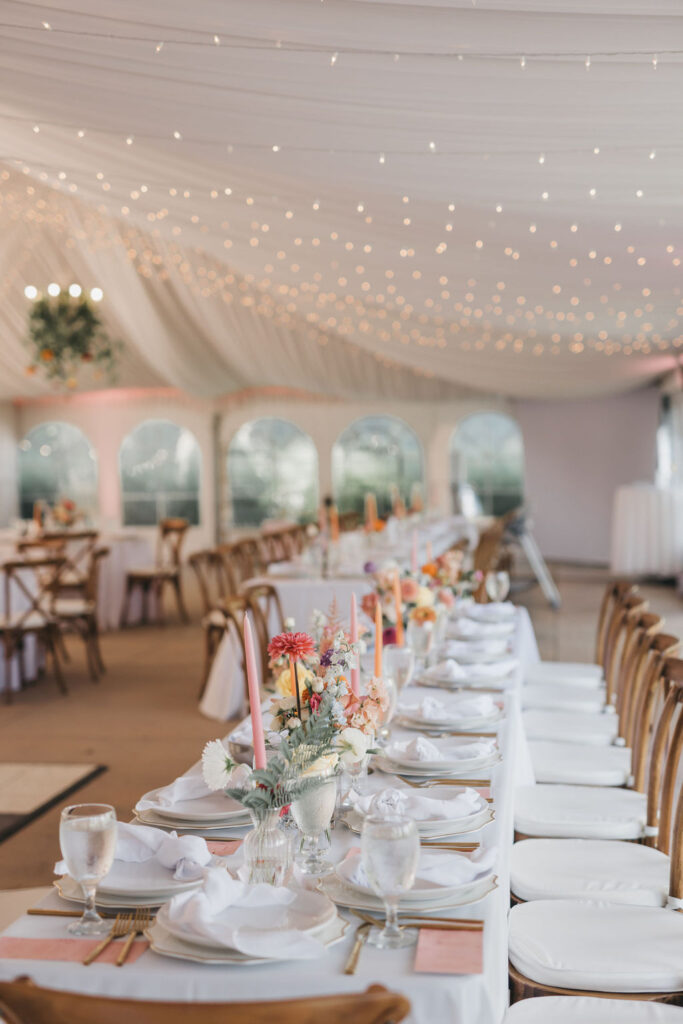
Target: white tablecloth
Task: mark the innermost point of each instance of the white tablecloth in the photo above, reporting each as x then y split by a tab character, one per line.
647	531
466	999
126	551
18	602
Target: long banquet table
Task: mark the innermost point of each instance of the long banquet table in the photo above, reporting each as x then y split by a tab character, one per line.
459	999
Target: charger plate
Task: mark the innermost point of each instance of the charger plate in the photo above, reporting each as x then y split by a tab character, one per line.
457	771
344	896
165	944
441	830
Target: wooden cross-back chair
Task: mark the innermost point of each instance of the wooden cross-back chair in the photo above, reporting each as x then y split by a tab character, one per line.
264	604
22	1002
615	592
486	555
625	613
77	547
632	928
274	546
228	617
164	573
214	576
244	558
29	582
78	614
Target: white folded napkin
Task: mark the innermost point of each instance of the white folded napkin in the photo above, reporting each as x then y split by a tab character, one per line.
441	867
478	647
465	629
185	856
491	670
437	711
419	806
421	749
187	787
244	917
496	611
448	669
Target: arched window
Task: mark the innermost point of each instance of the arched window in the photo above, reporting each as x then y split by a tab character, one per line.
487	458
56	460
272	473
378	454
160	466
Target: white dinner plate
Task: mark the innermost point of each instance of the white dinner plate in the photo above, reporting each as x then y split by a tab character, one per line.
461	724
440	829
310	912
422	888
418	772
488	613
152	818
448	762
489	630
166	944
344	896
213	807
72	892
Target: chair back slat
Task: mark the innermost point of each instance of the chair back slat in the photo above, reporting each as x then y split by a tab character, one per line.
214	576
21	1002
42	572
170	539
635	653
626	611
613	594
265	606
661	647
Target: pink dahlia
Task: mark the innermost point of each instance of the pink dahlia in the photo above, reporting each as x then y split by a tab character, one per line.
294	645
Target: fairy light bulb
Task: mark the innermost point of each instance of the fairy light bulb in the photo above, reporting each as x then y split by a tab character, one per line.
75	290
587	63
53	289
522	63
382	158
158	48
30	291
333	59
96	294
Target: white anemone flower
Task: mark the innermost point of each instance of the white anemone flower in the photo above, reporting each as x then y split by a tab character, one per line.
219	769
353	746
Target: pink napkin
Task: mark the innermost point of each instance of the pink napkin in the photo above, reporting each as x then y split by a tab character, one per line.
449	952
71	950
223	848
484	791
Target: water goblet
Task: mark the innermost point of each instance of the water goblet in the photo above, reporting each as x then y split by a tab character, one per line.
87	837
390	853
497	585
388	716
312	812
398	664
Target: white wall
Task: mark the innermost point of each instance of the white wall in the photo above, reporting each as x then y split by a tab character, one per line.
8	463
577	454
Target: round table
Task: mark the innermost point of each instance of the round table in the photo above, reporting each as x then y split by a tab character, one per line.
647	531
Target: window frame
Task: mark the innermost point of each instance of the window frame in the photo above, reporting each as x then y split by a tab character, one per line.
160	498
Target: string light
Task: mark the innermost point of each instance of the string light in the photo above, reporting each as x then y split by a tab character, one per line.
333	59
159	47
587	62
217	40
522	63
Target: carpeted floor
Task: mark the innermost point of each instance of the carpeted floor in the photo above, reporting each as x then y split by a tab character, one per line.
141	719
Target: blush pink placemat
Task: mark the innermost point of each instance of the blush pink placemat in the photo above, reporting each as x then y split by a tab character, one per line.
449	952
70	950
223	847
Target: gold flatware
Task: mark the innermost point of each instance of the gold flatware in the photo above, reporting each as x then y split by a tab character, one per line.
120	927
430	923
139	925
46	912
460	847
427	783
451	732
361	938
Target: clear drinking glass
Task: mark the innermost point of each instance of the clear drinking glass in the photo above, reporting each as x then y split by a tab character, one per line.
398	664
421	637
313	813
387	717
87	837
497	585
390	851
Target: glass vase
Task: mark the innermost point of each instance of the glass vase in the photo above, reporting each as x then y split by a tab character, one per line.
353	778
312	811
267	855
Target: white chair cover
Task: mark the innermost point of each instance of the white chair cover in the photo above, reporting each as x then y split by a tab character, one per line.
580	812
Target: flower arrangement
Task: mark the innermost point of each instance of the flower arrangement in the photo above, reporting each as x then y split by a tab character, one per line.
413	595
65	512
64	334
447	575
321	685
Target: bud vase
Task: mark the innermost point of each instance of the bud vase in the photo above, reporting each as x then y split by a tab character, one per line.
267	850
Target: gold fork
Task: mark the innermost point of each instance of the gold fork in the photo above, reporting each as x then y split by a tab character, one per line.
120	927
361	938
444	782
139	925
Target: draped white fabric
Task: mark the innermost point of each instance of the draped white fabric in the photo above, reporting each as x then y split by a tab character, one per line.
325	197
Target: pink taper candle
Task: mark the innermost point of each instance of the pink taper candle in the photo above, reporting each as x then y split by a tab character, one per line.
378	641
254	697
355	672
413	553
429	550
399	611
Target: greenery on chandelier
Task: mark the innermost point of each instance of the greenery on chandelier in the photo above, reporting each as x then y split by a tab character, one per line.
284	779
65	334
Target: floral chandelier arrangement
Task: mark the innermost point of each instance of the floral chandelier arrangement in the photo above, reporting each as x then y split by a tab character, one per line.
65	335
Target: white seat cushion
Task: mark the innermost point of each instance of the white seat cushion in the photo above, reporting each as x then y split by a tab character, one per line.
571	726
215	619
591	1010
72	607
597	947
580	764
589	869
563	698
580	812
564	673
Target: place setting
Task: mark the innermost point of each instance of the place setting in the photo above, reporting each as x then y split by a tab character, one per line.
450	674
453	714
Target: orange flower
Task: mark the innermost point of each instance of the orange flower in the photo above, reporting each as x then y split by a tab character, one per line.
30	370
422	614
47	355
430	569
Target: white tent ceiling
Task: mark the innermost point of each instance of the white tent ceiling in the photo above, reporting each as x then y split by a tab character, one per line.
350	198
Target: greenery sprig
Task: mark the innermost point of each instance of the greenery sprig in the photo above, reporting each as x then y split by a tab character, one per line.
66	333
